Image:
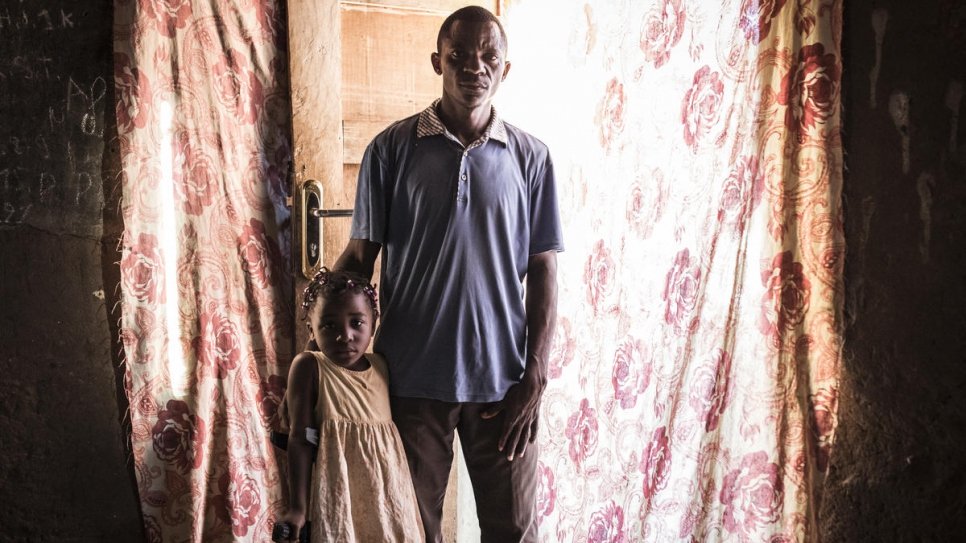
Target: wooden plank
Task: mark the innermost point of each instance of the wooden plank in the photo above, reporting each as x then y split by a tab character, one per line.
386	70
315	67
357	135
439	7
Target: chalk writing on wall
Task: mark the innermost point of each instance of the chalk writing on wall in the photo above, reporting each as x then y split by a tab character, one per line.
55	68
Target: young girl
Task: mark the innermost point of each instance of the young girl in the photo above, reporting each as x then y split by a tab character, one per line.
361	489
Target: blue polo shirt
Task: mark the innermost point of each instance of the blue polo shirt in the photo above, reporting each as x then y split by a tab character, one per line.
457	226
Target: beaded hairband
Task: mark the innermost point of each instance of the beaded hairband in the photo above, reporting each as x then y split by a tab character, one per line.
323	278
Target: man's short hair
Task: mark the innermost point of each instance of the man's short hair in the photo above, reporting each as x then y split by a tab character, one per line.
469	14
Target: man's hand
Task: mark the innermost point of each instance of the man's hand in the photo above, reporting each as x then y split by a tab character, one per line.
522	400
522	407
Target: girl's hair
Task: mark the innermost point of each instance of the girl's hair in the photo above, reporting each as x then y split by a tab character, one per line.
331	284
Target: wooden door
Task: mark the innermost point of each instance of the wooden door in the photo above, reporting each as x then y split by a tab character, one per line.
356	67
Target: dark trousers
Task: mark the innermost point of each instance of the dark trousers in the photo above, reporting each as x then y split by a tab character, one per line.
505	491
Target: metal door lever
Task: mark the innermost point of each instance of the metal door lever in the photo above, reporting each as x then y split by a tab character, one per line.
312	228
316	212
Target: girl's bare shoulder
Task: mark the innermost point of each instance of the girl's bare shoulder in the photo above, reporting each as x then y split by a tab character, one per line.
304	366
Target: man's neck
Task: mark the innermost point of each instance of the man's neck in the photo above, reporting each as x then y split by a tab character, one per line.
468	125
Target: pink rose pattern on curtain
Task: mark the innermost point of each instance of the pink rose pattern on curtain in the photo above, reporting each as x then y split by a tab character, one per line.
694	373
203	124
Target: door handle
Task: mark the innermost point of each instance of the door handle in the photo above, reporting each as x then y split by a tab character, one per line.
321	213
312	233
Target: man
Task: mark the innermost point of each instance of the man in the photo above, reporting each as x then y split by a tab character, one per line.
463	208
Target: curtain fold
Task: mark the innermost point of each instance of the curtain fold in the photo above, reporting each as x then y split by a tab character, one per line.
203	128
694	376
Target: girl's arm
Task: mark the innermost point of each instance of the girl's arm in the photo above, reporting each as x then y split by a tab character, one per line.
303	389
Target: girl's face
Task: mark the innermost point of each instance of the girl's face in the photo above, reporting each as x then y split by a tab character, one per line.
342	327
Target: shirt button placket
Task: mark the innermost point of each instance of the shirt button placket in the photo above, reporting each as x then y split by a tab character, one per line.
461	184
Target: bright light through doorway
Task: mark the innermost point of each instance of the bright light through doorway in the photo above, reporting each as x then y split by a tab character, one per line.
168	239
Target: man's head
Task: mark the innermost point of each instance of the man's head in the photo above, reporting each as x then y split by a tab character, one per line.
469	14
471	57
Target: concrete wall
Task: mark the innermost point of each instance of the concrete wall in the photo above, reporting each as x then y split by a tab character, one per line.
64	466
62	454
898	470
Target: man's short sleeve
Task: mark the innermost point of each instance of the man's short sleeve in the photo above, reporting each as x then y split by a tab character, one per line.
371	213
545	231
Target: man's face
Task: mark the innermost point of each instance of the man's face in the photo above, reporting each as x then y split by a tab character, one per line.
471	61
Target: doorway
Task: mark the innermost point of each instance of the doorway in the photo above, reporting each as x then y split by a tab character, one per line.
355	68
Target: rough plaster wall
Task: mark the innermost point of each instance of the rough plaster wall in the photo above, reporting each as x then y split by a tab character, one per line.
63	470
898	470
64	474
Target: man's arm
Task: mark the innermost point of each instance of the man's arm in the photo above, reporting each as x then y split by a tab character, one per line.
522	400
359	256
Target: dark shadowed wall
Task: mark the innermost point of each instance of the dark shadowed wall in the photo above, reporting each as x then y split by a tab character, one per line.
898	470
64	474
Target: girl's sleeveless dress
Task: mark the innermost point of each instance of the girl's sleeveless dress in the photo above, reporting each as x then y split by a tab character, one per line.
362	487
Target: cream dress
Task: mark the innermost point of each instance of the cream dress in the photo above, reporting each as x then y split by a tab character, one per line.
362	488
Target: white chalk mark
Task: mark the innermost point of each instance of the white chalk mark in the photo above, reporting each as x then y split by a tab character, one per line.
89	124
53	118
47	183
8	210
98	90
73	91
12	210
84	183
42	142
899	111
44	14
880	18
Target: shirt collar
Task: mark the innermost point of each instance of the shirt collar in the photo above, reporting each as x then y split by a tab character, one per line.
429	124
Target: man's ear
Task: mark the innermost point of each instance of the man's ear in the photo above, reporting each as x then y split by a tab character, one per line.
437	66
506	70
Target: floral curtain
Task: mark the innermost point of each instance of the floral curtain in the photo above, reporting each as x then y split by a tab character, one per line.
694	374
203	126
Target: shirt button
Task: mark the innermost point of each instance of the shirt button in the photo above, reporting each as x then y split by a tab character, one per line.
463	177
